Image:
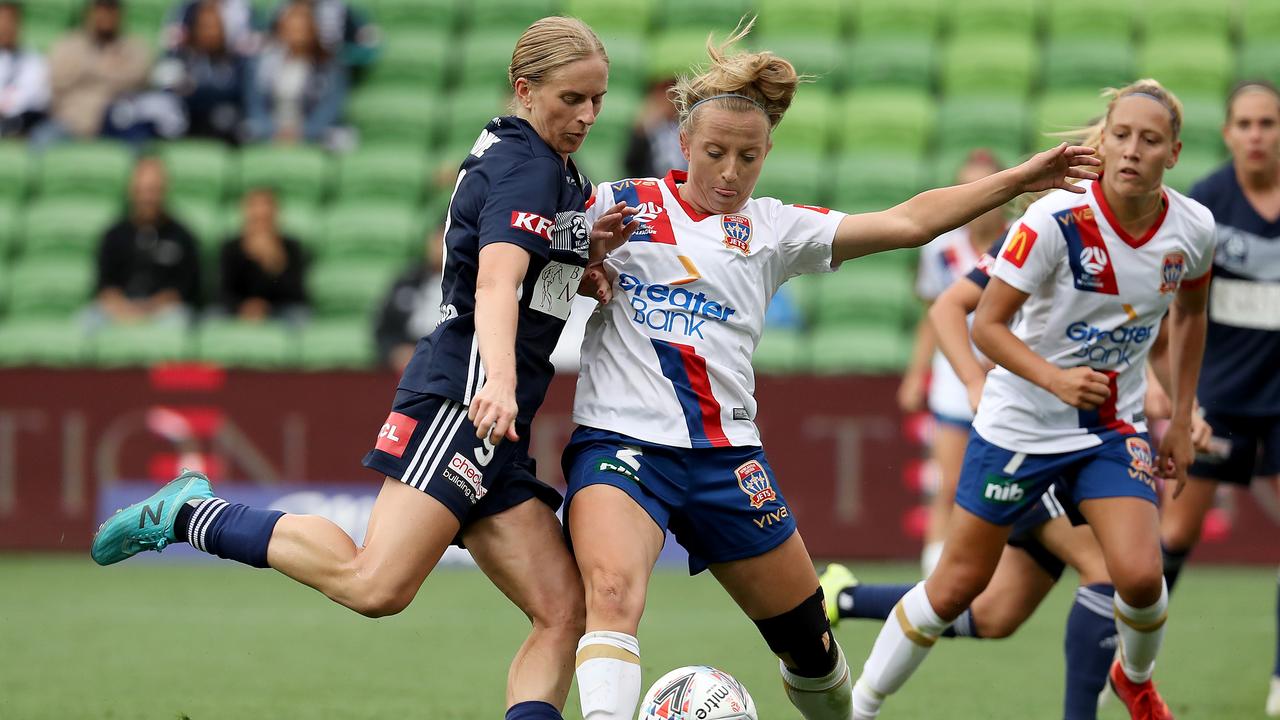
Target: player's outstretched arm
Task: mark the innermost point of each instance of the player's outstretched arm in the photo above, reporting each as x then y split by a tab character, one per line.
502	270
933	212
948	316
1187	323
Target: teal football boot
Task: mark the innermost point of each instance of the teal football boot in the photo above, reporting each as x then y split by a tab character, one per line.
148	525
834	579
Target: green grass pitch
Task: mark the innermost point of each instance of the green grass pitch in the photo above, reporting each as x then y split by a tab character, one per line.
143	641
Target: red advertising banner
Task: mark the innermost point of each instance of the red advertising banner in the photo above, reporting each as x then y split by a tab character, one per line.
850	466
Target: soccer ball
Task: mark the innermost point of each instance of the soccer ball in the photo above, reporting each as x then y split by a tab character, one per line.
697	692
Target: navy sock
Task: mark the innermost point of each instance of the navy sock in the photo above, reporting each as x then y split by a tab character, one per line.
964	626
870	601
183	521
232	531
1173	560
1276	672
1090	647
533	710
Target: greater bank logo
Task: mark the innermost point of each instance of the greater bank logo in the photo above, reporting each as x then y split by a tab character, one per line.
1108	346
671	309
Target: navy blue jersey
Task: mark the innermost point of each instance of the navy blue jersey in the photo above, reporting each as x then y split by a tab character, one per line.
980	275
1242	350
512	188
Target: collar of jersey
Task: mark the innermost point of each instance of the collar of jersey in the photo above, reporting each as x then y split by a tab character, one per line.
674	179
1128	239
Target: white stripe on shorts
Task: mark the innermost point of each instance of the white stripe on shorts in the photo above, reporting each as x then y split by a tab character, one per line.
426	437
472	386
425	478
1014	463
440	436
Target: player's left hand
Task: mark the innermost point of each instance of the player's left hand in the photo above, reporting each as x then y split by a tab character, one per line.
1175	455
1053	168
611	230
1201	433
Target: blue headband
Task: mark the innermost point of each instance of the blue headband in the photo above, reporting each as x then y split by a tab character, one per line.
725	96
1173	117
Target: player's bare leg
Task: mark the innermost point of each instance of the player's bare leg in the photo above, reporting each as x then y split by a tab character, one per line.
949	443
1181	522
1016	589
616	579
779	592
408	533
523	552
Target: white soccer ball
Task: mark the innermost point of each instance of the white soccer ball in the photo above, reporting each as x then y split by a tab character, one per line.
697	692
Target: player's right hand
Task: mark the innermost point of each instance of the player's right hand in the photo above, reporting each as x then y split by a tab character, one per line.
1082	388
911	392
611	230
493	411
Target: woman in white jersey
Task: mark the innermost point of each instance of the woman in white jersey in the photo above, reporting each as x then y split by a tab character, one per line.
943	261
1089	278
664	398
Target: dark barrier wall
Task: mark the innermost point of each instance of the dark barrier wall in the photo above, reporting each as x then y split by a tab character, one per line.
847	462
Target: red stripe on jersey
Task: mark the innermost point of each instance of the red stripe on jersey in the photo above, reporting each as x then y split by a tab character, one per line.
1197	283
1091	237
1107	410
674	179
696	366
1129	240
661	225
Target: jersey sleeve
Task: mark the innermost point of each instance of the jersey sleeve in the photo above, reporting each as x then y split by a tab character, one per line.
931	276
1200	266
980	275
805	234
1031	251
521	206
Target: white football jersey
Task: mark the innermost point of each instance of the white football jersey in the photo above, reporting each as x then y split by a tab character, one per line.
668	360
946	258
1097	295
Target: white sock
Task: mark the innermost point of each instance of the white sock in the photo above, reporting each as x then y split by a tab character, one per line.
929	558
825	698
904	641
608	675
1141	634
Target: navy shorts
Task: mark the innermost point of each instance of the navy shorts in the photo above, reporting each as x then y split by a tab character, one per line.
721	503
997	485
1242	448
1052	504
428	443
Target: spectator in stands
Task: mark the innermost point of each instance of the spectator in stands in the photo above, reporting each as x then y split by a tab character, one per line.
297	89
148	263
237	25
207	75
263	271
89	69
411	308
654	146
24	77
344	32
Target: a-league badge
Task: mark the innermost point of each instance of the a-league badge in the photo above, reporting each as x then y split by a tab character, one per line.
754	481
737	232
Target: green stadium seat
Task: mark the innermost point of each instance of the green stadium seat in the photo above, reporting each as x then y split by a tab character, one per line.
50	287
120	345
985	17
802	19
233	343
412	57
966	122
1063	111
819	57
795	177
858	349
807	126
41	341
994	64
466	114
301	220
371	229
56	15
1192	167
205	219
604	17
9	229
485	57
336	344
395	115
94	169
781	350
1096	20
1187	19
1189	65
1260	59
146	18
387	173
915	18
718	16
67	226
15	169
887	120
946	163
296	173
600	161
865	294
628	60
349	288
1259	21
897	62
1202	118
515	15
198	169
673	52
618	114
876	181
1082	64
423	14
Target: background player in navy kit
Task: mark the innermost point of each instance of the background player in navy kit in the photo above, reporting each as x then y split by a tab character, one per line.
455	447
1240	384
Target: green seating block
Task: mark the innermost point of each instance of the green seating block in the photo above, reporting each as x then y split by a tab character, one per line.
917	18
674	51
1193	166
199	169
876	181
349	288
15	169
887	121
1188	65
336	345
803	19
966	122
438	14
395	115
986	17
384	173
1185	19
485	56
67	226
795	177
369	229
603	16
296	173
121	345
1259	21
1064	111
1110	20
853	349
808	124
50	287
865	293
821	58
898	62
413	58
780	351
85	169
41	341
718	16
466	114
1202	118
1004	65
234	343
1072	63
513	15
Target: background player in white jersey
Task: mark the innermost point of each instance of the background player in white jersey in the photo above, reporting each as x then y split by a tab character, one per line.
664	399
943	261
1240	384
454	451
1091	278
